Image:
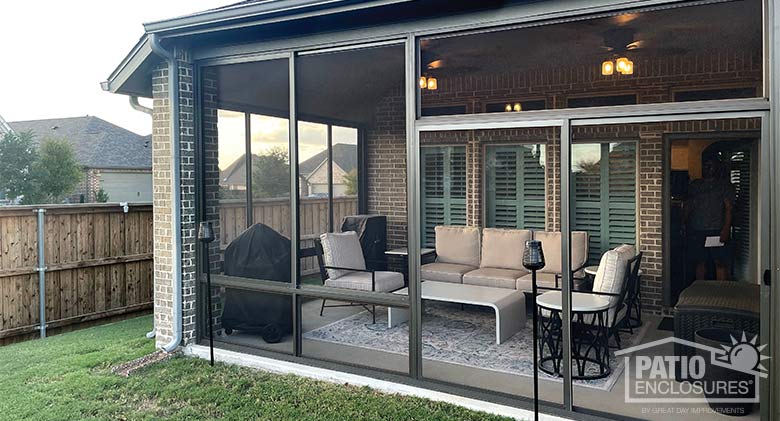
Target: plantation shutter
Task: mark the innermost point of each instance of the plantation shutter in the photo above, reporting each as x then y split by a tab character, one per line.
740	178
605	198
515	187
443	189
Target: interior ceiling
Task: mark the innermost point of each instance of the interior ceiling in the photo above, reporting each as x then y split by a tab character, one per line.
343	86
732	26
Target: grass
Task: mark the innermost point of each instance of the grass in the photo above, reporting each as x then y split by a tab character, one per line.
69	377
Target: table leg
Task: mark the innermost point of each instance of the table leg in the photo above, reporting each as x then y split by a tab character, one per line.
396	316
550	339
510	318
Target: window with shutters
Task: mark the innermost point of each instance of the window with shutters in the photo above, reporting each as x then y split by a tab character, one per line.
514	180
604	194
443	170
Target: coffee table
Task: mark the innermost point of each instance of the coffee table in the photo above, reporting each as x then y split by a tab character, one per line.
508	304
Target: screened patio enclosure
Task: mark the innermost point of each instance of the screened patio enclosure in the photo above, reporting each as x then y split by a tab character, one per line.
446	134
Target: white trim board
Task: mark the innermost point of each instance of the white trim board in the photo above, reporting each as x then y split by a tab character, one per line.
333	376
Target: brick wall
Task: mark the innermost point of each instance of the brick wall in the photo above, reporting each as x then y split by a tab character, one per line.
386	167
654	80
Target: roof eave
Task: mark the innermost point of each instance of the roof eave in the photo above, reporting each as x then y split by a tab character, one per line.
239	11
139	57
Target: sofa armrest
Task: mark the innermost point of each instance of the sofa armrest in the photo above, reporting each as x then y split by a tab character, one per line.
373	274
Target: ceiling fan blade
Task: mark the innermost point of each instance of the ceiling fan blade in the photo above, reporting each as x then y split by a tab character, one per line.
636	45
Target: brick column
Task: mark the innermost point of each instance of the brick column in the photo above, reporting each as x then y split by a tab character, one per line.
650	226
162	201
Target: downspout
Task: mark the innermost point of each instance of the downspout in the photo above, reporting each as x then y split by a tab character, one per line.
173	92
138	107
146	110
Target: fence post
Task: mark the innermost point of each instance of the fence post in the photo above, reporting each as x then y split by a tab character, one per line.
41	269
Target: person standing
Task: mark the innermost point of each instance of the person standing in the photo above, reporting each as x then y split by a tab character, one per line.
708	217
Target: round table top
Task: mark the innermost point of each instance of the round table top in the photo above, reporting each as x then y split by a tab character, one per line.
591	270
581	302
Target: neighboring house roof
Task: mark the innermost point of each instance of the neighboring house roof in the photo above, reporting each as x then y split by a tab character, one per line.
96	142
4	127
344	155
235	173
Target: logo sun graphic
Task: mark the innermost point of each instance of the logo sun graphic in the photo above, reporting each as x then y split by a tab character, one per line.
744	355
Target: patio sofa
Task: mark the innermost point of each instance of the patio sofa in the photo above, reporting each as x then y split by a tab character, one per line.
493	257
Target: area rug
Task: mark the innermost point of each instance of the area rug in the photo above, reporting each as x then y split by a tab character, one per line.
458	336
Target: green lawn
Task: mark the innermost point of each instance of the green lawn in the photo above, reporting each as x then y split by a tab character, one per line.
68	377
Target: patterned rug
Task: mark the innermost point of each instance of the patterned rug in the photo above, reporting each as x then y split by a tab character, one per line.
465	337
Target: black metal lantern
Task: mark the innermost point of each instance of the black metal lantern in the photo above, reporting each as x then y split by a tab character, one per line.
206	232
533	260
206	237
533	255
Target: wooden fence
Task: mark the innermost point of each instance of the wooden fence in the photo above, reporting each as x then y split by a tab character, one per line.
98	261
275	213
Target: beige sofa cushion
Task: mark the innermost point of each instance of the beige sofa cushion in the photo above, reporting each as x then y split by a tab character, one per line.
383	281
459	245
445	272
342	249
493	277
627	251
503	248
551	245
610	277
542	280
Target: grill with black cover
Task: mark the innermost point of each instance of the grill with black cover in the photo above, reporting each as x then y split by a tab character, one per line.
258	253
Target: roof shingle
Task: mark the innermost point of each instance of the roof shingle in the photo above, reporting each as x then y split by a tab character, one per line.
96	142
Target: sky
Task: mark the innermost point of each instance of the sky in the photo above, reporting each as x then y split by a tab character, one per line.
55	54
272	132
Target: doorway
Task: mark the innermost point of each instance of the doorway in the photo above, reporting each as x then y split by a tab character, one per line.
729	162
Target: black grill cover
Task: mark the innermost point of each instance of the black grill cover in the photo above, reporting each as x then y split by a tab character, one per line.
372	231
258	253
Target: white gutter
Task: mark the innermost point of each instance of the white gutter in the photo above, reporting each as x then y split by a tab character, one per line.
138	107
173	92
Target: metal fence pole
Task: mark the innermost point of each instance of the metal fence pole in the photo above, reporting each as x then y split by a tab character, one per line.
41	269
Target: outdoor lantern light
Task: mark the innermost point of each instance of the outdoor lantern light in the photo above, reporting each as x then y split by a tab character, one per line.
423	82
607	68
533	260
622	65
206	237
432	84
518	107
508	108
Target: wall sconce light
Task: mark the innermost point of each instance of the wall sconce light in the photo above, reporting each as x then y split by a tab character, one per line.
607	68
423	82
433	84
508	108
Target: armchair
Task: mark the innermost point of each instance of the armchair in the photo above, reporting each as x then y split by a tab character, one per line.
342	265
